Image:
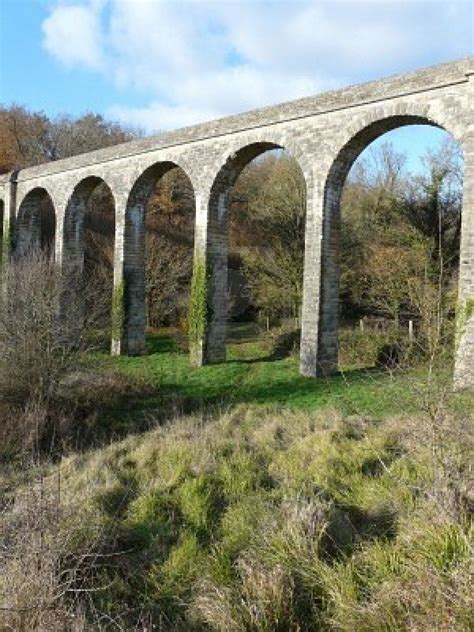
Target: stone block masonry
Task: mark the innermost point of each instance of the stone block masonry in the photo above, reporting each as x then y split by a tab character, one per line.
324	133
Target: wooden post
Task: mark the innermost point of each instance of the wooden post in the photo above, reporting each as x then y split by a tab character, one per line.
411	335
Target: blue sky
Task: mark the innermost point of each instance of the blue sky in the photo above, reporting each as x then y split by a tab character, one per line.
164	64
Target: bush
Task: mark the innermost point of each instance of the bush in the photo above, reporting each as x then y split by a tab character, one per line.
41	570
283	342
43	331
362	348
391	355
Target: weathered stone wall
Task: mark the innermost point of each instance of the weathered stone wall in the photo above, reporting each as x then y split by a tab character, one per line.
325	134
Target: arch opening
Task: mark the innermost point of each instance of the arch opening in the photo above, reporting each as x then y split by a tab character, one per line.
390	251
36	224
88	257
159	234
254	253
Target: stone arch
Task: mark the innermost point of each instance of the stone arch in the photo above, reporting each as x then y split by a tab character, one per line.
320	346
364	130
36	223
235	162
74	218
73	247
133	289
211	250
239	152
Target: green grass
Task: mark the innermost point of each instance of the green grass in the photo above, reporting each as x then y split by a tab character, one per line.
251	376
252	521
259	501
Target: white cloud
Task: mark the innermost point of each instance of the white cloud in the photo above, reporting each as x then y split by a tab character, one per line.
72	35
203	99
190	61
157	116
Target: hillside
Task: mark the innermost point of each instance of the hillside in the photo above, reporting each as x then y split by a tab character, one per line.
344	507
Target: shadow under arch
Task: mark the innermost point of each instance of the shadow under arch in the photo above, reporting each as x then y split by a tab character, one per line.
75	219
133	294
36	224
84	290
208	344
320	352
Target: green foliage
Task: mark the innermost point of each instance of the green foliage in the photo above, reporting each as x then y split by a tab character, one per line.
241	520
172	581
284	342
200	501
359	348
118	311
250	377
269	200
198	306
464	315
414	223
156	516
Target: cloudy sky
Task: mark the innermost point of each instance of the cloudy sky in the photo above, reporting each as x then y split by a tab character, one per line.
160	64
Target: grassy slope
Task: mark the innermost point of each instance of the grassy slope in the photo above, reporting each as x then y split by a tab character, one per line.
283	513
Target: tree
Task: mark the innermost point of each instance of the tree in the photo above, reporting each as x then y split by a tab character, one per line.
24	138
273	210
99	241
31	138
169	248
368	217
390	274
403	232
70	136
44	331
432	205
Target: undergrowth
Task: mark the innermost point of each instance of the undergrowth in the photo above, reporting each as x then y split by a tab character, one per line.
251	520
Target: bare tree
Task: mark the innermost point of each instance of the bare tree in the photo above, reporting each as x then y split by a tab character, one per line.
169	248
43	330
271	198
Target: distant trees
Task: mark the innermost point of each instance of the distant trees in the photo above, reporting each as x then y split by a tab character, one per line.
99	240
30	138
370	224
269	205
169	249
404	232
399	238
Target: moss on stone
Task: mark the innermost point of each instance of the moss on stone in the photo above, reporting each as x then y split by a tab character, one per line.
465	313
118	311
198	308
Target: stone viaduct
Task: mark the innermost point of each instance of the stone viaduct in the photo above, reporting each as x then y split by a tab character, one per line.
324	133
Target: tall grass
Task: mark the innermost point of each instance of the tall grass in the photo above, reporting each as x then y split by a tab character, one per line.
251	520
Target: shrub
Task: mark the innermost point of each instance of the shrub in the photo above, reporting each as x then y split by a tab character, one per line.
43	330
284	342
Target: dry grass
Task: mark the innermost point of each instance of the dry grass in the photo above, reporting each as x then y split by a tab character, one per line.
251	521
